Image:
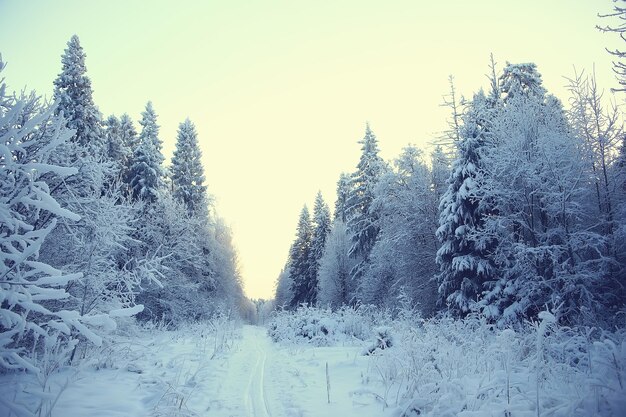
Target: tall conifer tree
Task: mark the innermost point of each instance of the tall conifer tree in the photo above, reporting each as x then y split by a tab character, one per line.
362	220
464	263
73	92
321	230
343	192
187	170
146	171
300	262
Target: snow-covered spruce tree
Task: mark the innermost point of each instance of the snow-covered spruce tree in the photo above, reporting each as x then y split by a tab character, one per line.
113	144
343	192
520	80
362	220
146	171
303	286
321	229
73	93
335	285
129	143
32	292
283	292
403	258
464	262
87	149
117	152
128	133
187	171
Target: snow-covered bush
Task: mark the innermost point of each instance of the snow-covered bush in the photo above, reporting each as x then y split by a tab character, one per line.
315	326
324	327
383	339
471	368
32	318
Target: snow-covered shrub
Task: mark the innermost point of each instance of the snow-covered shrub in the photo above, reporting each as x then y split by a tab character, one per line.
32	293
470	368
306	324
324	327
383	339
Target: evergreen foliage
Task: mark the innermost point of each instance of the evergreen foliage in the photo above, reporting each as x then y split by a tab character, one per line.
321	230
74	95
303	284
463	261
343	193
362	219
146	176
187	172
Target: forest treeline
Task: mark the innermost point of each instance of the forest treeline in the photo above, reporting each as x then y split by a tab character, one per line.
521	210
94	226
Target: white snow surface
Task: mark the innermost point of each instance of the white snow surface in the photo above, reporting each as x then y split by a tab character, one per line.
436	368
184	374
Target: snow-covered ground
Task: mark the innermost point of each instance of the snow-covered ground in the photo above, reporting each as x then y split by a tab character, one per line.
437	368
182	374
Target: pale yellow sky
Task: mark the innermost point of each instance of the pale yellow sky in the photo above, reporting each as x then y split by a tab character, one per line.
280	90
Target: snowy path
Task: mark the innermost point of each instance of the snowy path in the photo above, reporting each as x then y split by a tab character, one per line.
255	398
243	386
263	379
180	374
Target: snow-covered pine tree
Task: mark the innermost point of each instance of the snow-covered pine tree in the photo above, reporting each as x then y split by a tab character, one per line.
146	171
117	152
520	79
362	220
464	263
32	291
343	192
128	133
303	287
113	146
321	229
187	171
283	293
130	142
73	93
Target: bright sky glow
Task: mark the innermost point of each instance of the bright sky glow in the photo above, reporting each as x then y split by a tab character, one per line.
280	90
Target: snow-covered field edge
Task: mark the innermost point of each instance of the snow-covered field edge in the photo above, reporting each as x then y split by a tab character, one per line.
140	370
467	368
